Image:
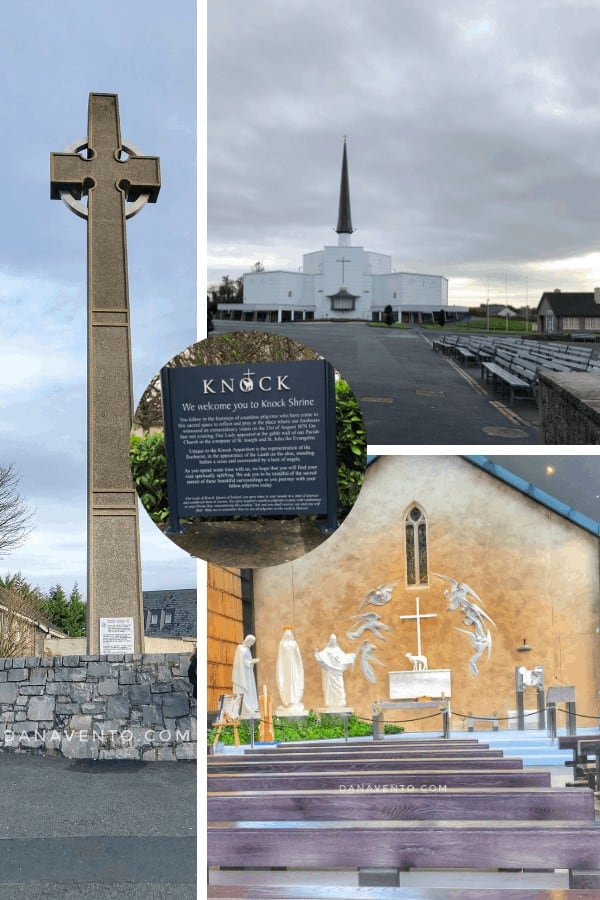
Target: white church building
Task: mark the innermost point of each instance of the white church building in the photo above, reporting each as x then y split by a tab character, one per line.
341	282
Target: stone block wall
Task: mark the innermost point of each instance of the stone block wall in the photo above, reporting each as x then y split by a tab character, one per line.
569	408
134	706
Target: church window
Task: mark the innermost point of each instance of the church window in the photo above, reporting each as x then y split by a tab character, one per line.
394	295
415	532
289	293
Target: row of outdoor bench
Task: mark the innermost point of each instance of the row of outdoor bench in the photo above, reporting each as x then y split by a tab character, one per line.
513	365
409	804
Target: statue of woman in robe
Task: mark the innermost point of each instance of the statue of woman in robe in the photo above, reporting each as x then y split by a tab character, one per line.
290	676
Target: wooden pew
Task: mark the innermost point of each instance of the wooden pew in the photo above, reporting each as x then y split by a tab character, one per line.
369	745
344	779
329	892
379	815
381	849
437	763
374	753
406	802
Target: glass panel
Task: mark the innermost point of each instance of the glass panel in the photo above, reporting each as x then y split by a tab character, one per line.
410	555
422	553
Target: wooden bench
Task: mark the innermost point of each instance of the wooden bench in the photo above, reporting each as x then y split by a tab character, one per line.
381	849
466	355
329	892
440	764
514	384
370	753
582	336
314	892
341	778
399	801
379	815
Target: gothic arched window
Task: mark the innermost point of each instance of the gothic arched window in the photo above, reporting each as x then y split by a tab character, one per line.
415	532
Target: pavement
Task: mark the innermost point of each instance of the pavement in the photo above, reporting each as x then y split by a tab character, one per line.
408	394
97	830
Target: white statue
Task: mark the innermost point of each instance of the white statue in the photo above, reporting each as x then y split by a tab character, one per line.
378	596
365	651
290	676
532	677
419	663
334	662
244	680
474	615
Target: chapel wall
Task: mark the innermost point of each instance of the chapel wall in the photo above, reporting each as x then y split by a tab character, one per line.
536	573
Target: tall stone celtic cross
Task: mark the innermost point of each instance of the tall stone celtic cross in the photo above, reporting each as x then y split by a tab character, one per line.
110	175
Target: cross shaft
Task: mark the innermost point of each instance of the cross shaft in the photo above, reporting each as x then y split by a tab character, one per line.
418	616
109	181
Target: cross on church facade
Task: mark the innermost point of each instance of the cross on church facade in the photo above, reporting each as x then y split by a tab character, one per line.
418	616
343	260
110	177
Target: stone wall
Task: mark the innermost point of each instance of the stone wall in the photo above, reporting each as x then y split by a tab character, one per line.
569	408
135	706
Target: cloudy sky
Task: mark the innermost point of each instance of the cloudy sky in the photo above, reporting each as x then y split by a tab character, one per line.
473	132
52	55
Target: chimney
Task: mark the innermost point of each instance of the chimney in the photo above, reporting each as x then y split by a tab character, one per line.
597	295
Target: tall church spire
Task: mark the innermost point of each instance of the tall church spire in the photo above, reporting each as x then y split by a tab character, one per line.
344	224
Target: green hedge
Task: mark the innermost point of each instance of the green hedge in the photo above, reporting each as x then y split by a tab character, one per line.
312	727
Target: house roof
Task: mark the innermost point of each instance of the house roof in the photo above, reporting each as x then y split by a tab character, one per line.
182	603
27	611
535	493
530	490
571	303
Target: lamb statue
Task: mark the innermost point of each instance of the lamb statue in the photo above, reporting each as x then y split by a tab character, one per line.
419	663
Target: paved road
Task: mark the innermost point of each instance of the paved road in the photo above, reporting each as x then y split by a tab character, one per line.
408	394
96	830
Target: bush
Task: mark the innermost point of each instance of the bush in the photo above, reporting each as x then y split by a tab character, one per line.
351	440
312	727
149	469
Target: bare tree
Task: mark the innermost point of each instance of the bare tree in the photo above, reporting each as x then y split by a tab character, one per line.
232	347
20	619
15	516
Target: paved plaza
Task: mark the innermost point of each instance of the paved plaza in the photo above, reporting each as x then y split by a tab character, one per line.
87	829
409	394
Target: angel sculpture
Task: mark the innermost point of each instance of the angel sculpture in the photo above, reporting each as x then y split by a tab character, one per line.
480	644
473	616
366	658
368	622
378	596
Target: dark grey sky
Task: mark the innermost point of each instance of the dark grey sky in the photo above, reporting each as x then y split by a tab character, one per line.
473	134
573	479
